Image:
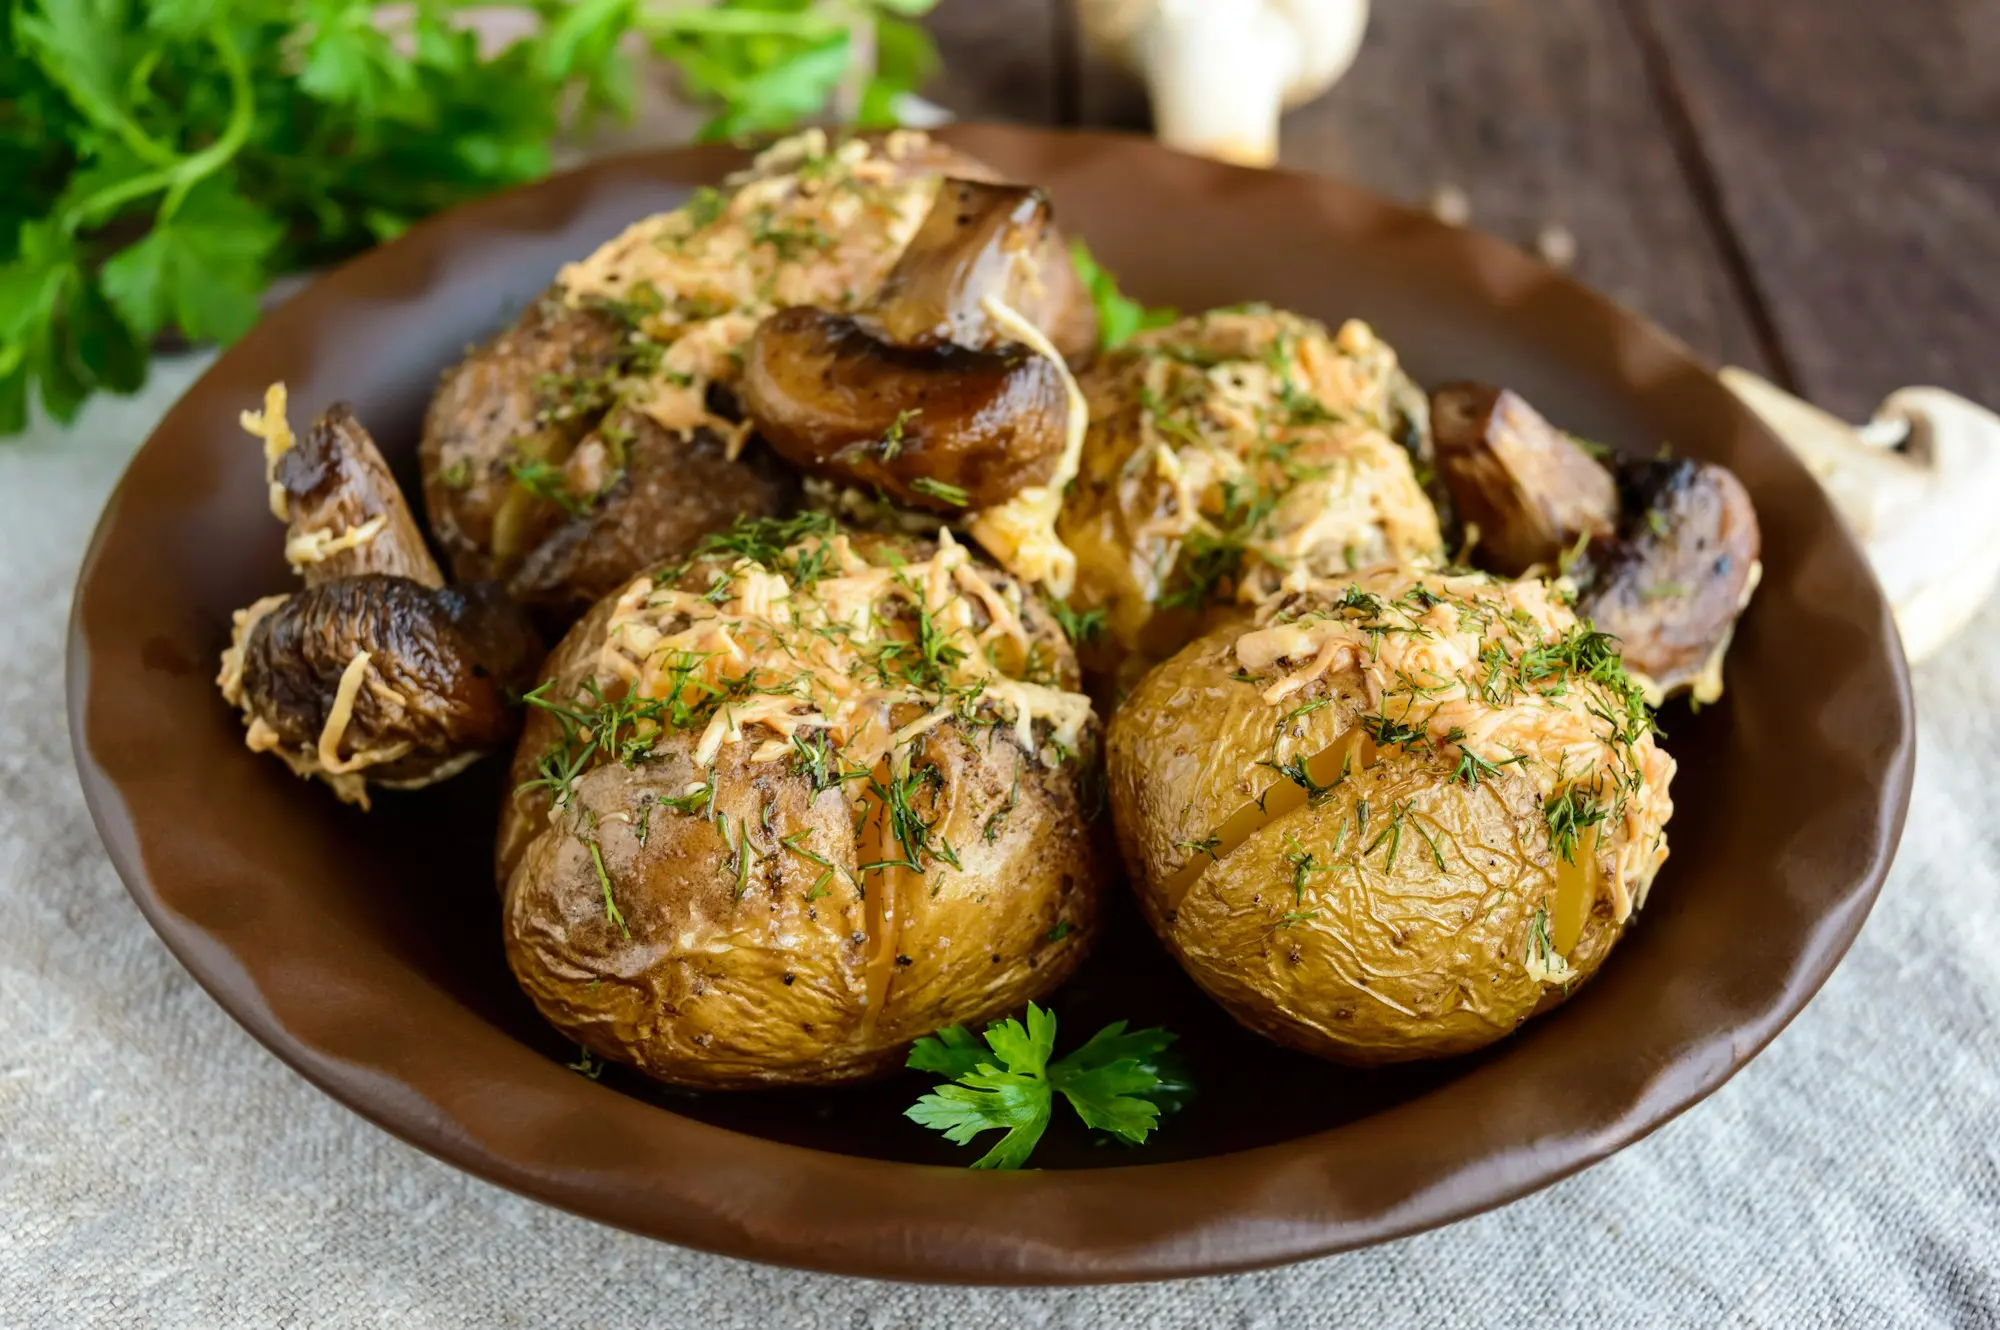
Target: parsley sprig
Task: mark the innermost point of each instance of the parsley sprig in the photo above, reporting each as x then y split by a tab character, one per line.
1118	1081
166	159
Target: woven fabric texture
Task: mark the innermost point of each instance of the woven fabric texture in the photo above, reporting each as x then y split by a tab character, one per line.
159	1169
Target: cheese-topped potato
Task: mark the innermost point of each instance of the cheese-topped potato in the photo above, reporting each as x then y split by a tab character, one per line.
790	804
1228	452
1392	816
543	450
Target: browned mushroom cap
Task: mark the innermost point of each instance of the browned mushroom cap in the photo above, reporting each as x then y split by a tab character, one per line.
378	678
1526	485
346	515
979	239
922	395
1672	582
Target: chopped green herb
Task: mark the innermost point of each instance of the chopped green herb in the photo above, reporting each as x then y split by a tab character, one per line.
941	491
1079	627
1569	813
549	483
611	912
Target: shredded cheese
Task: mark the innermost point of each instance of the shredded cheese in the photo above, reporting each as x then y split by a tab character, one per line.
810	224
321	544
271	426
342	711
1468	664
872	654
1231	450
1021	533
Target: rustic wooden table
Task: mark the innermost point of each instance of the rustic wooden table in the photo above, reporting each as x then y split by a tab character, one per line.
1807	188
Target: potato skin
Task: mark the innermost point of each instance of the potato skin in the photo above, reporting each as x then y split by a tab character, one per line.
486	414
1372	954
1391	958
794	981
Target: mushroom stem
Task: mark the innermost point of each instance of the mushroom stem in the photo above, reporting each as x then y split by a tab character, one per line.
1221	72
1918	485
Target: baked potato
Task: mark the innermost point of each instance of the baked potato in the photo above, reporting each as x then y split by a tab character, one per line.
375	672
536	436
790	804
1225	452
1391	816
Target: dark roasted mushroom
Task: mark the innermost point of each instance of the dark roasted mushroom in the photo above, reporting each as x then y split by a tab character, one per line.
430	670
522	476
929	394
375	672
1531	491
1672	581
344	514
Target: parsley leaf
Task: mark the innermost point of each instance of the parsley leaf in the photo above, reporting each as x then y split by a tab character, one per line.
1119	318
200	271
165	160
1118	1081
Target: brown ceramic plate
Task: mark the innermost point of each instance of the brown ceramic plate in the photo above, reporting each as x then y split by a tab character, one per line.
364	949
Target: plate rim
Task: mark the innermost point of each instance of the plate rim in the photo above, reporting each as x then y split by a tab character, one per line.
707	1223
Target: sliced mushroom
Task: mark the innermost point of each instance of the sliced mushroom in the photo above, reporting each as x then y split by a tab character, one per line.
375	671
345	514
922	395
1680	569
1527	487
382	679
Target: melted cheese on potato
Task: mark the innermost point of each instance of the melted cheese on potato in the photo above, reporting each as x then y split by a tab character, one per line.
1496	674
809	224
1231	450
873	652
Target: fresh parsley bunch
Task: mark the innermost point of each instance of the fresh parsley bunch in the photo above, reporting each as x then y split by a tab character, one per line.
1118	1082
165	159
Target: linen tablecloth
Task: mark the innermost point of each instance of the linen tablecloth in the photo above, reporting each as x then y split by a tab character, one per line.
158	1168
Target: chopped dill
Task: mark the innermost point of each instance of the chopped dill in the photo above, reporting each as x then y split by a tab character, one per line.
940	490
1079	626
1569	813
548	483
611	912
1207	845
891	443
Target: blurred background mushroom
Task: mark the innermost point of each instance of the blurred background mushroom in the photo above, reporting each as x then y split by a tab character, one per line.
1221	72
1919	483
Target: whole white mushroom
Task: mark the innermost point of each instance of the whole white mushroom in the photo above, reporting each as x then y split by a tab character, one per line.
1918	484
1221	72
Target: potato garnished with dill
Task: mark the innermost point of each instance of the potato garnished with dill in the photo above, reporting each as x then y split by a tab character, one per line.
1230	450
785	806
599	434
1394	815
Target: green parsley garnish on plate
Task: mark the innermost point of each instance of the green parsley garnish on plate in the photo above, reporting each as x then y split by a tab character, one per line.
1118	1081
